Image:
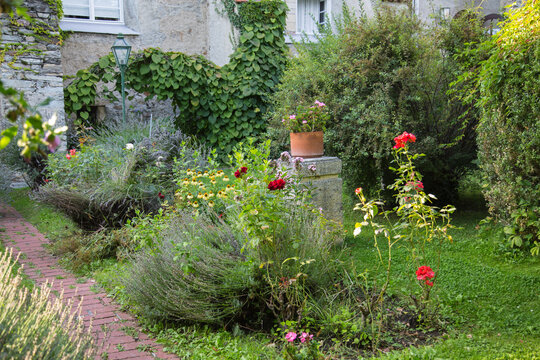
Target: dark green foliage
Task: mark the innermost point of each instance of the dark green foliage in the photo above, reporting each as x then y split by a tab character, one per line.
380	77
220	105
509	133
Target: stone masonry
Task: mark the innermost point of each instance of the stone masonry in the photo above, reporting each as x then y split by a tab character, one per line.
30	63
326	184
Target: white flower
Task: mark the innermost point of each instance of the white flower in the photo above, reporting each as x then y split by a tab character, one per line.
129	146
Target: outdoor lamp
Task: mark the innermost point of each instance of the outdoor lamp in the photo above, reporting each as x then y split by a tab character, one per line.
121	50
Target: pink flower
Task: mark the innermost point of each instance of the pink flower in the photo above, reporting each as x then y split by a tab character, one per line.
52	140
72	152
68	157
304	122
305	337
282	120
320	104
358	190
291	336
292	117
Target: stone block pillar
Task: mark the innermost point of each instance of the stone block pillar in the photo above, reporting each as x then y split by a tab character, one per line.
326	184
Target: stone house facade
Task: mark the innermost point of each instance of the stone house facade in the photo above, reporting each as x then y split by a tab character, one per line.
189	26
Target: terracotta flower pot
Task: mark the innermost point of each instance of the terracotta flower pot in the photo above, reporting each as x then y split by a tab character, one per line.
307	144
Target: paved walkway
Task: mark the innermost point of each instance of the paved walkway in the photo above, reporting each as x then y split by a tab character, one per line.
116	332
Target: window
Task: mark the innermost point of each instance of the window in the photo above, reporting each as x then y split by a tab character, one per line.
311	14
94	10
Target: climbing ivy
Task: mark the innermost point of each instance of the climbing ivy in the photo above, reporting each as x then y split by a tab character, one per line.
220	105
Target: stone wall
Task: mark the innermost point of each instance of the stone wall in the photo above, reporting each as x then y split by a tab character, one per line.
31	64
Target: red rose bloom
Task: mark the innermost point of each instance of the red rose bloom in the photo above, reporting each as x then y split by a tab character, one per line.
161	196
424	273
277	184
358	191
402	139
238	173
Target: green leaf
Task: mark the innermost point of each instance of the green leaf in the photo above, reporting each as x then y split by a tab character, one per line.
8	135
104	62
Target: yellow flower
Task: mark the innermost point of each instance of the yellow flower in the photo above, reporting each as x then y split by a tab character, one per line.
200	195
195	204
206	196
229	188
211	203
225	178
213	181
185	183
211	194
189	196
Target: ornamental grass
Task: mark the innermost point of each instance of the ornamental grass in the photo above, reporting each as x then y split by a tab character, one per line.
33	325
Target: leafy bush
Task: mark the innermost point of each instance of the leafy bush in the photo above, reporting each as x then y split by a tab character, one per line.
118	170
378	76
32	326
509	131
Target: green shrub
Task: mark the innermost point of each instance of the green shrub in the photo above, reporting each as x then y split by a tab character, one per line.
196	274
119	170
379	76
509	131
32	326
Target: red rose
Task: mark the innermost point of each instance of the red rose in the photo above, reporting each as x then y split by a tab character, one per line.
424	273
237	174
276	184
358	190
161	196
402	139
243	169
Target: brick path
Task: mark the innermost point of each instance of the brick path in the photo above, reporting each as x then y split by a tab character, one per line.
116	332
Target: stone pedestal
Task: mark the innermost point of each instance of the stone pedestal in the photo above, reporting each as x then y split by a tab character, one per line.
326	184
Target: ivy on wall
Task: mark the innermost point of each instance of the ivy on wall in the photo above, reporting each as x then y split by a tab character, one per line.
219	105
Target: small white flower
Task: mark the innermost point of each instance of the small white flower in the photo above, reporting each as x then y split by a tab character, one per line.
129	146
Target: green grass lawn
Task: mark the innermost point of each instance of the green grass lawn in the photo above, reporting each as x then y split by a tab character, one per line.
490	302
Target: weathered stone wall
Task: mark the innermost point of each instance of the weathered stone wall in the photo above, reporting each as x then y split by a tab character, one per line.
31	64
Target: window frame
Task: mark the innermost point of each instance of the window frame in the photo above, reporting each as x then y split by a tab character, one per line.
92	16
317	15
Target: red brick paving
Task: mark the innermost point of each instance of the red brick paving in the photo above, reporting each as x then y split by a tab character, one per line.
97	309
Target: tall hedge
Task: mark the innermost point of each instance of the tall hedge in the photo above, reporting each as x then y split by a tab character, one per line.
509	131
380	77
